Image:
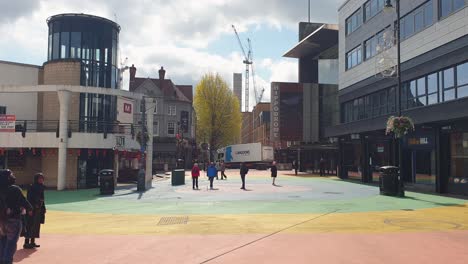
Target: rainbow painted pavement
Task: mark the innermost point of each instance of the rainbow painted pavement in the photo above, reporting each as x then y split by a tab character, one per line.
304	220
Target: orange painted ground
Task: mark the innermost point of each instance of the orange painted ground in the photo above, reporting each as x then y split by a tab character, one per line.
434	247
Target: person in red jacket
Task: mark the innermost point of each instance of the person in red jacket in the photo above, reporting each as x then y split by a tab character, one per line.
195	175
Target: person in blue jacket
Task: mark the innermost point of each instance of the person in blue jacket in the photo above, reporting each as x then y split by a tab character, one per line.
211	173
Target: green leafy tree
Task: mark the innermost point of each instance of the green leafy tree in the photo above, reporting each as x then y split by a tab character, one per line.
218	112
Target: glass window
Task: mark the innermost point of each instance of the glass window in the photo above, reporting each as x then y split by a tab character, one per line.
419	21
156	128
445	7
432	83
404	95
421	86
391	100
412	90
171	128
448	78
367	107
49	52
65	45
383	102
354	21
457	4
2	110
56	46
432	99
354	57
355	109
462	92
449	95
361	108
462	74
409	26
428	13
375	104
75	45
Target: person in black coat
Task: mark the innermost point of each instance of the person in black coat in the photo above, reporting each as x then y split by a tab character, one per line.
243	171
34	221
274	172
16	205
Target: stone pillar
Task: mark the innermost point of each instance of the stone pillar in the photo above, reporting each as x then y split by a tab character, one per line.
64	100
149	148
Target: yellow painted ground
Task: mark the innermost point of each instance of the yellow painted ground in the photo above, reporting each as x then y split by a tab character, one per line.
434	219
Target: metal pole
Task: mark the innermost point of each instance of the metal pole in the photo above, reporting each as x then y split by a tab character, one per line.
309	11
141	186
401	192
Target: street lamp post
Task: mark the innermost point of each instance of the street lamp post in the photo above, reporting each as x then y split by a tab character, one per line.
389	7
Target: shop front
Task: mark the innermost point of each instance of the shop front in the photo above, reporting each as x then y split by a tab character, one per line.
454	155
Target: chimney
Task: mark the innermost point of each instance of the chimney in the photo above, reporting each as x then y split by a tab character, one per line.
162	73
132	73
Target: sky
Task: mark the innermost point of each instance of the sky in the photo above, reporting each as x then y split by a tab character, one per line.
189	38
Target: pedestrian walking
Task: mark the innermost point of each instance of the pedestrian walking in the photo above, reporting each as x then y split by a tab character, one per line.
223	169
243	171
33	222
322	166
295	166
274	172
211	173
195	175
15	204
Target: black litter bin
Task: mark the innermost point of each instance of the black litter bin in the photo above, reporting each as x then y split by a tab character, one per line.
388	181
178	177
106	182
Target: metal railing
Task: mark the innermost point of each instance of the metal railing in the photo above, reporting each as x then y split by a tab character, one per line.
82	126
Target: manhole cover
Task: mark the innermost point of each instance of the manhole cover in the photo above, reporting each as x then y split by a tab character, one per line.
333	192
173	220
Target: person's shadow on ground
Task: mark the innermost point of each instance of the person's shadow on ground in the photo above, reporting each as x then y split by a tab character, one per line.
22	254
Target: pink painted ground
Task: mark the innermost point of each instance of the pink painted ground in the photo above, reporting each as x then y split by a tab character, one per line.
436	247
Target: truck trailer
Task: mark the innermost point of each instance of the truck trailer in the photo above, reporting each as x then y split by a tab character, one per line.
254	155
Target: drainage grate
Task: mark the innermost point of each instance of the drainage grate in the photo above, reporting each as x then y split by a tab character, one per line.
173	220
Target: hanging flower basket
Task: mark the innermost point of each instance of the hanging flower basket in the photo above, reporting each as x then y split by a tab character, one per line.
399	126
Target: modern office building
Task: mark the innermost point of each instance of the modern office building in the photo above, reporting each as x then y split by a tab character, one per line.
300	112
237	86
69	120
434	91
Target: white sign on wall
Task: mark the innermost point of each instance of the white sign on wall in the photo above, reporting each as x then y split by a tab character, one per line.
7	123
125	108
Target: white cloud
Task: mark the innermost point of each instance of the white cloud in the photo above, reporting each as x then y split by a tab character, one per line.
174	34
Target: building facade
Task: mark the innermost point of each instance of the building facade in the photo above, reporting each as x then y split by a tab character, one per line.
434	92
66	111
300	112
174	118
261	124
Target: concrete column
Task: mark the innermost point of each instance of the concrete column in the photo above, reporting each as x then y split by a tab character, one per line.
64	100
116	168
149	149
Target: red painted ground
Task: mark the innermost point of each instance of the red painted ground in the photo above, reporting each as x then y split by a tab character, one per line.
424	248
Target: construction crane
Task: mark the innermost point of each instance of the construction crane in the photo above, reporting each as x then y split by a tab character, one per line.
247	61
258	98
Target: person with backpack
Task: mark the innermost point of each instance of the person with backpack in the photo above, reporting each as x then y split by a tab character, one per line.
243	171
33	223
15	205
195	175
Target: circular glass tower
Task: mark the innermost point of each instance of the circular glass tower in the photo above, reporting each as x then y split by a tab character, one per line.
94	42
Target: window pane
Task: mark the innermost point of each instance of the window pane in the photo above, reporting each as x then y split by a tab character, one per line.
418	21
448	78
412	90
421	86
462	92
56	46
462	74
49	53
449	95
428	14
457	4
64	45
367	10
432	99
359	55
432	83
373	7
445	7
409	26
355	109
421	101
75	45
392	100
